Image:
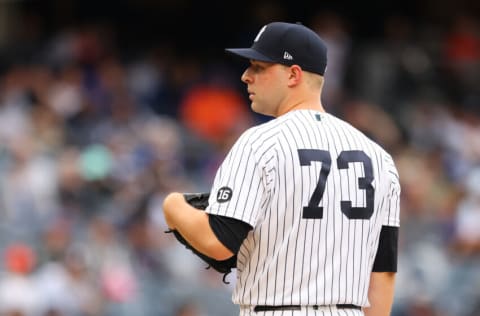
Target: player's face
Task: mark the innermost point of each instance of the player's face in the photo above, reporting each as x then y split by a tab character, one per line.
266	86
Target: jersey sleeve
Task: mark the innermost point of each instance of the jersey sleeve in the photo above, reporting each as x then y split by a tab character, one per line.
386	259
239	188
393	207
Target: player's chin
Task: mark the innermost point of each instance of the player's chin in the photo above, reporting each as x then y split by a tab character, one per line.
255	107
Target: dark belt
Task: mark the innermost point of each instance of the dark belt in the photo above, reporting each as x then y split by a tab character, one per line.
266	308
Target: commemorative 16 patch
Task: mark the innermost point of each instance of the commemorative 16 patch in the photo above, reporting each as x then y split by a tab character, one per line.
224	194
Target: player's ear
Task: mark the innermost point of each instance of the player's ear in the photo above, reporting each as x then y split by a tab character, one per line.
295	75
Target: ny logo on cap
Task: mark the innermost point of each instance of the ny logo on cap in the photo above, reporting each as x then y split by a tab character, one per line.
286	55
260	33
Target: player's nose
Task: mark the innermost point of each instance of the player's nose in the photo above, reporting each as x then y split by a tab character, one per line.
246	77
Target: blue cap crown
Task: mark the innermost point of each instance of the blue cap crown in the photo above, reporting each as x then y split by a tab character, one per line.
287	44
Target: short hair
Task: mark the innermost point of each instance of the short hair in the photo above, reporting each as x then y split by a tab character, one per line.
314	80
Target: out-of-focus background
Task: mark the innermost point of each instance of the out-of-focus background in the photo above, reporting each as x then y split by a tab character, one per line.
106	106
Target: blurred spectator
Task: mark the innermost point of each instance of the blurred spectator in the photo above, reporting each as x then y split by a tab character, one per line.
467	219
67	287
28	186
214	113
333	29
18	294
394	69
64	95
462	52
188	309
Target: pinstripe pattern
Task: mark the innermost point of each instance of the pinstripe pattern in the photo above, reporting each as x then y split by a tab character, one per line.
288	259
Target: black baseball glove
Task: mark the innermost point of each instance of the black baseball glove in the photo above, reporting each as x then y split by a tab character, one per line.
200	201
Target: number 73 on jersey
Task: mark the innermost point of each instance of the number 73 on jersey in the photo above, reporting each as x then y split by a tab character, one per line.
313	210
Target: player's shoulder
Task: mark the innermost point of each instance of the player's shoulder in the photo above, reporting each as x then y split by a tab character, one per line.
369	144
359	135
262	132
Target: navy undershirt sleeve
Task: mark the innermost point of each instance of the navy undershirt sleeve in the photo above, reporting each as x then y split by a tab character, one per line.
230	231
387	253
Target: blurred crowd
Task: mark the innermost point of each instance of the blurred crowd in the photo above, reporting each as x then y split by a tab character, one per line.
91	141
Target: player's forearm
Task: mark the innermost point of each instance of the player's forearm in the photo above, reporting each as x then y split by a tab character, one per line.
380	294
194	226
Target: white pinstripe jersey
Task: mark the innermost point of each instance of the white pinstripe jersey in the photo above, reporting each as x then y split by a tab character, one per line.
316	192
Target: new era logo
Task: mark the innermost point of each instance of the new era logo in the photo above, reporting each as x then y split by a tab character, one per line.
287	56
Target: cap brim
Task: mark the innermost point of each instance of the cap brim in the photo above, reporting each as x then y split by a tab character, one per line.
249	53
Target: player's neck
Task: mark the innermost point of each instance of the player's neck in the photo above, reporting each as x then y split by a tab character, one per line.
307	104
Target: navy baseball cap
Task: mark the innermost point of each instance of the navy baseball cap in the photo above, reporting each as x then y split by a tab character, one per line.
287	44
